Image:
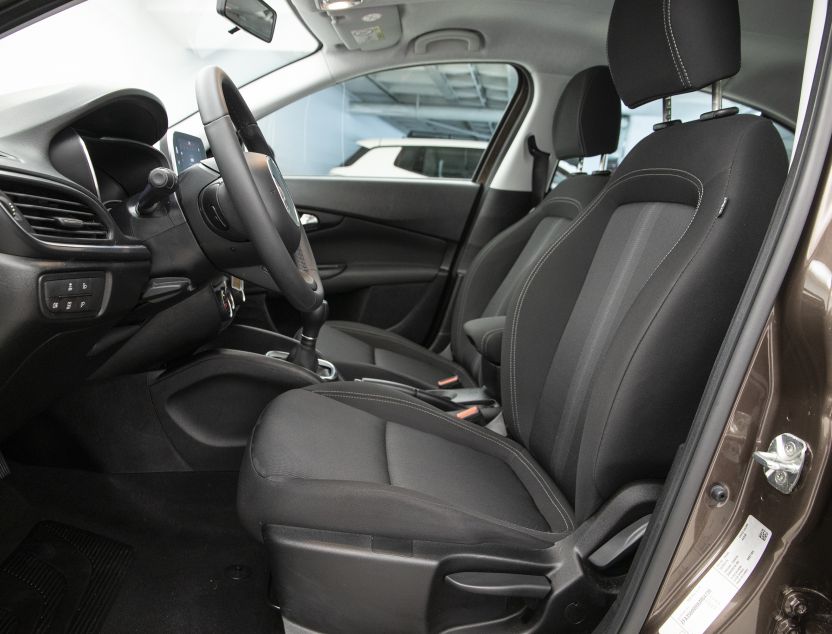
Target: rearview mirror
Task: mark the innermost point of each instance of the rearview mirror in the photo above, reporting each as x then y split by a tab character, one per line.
253	16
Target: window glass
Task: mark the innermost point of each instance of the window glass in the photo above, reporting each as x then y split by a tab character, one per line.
418	122
157	45
638	123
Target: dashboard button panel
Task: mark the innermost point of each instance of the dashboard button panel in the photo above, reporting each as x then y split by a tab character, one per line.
75	294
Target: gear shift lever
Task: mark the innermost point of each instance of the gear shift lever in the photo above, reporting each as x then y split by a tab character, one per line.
304	353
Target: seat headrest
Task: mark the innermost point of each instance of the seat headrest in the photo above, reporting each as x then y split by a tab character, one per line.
659	48
588	116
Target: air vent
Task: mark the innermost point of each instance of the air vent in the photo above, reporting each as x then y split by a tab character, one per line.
52	213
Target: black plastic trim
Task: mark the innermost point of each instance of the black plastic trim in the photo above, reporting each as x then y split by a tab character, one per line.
21	242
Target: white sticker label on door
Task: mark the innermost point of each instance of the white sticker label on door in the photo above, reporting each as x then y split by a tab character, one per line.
715	590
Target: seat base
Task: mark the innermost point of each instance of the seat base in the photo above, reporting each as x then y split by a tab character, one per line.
362	458
337	582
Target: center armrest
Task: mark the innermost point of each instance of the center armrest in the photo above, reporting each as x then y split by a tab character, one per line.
486	335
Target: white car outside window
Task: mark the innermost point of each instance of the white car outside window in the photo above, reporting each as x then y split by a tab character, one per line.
413	158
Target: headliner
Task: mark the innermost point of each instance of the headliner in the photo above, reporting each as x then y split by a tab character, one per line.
562	37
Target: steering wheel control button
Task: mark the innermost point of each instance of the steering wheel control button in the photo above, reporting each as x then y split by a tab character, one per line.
67	294
215	218
218	212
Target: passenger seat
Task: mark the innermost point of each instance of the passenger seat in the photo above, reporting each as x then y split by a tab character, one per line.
587	123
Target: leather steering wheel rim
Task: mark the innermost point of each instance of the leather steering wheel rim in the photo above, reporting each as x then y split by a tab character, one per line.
264	204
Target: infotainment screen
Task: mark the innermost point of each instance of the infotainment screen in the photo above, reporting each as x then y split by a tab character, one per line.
187	150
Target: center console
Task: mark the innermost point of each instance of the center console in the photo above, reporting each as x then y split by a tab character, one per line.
209	404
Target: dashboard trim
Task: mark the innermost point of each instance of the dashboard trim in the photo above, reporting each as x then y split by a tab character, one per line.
76	251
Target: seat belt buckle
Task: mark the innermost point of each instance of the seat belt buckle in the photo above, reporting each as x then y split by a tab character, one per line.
449	382
471	414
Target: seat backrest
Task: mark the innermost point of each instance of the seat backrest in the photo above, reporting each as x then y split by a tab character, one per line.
612	336
587	123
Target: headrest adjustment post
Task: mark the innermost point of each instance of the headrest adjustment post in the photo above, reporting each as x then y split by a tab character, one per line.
667	110
716	96
580	165
602	166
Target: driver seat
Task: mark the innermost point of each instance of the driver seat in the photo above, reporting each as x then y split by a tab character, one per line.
587	123
381	513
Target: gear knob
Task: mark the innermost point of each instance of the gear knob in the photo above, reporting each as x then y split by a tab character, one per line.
314	321
304	353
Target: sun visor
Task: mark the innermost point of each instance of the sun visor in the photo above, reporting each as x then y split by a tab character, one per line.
368	29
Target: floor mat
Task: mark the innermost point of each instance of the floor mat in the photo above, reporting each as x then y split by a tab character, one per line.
194	568
60	579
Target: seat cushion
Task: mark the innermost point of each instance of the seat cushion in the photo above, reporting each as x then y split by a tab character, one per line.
361	351
363	459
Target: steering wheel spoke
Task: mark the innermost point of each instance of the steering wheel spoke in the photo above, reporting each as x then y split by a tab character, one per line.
258	190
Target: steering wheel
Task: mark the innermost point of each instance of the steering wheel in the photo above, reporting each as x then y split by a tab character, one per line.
257	189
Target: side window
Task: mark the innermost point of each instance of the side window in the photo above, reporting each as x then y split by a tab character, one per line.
638	123
418	122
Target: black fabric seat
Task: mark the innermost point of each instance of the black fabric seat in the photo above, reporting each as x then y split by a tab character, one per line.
354	456
587	123
368	499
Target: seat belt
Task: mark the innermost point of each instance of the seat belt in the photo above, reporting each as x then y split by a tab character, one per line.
540	170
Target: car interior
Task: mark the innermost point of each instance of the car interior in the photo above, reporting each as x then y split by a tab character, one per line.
247	389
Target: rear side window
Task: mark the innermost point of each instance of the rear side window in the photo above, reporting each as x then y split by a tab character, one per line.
440	162
430	121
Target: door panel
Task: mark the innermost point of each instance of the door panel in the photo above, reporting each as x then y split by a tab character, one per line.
384	246
438	208
384	165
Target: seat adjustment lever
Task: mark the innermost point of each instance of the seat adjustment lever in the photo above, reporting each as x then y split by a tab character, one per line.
501	584
620	545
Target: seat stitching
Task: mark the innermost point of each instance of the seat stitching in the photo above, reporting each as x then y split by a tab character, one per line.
564	199
644	333
588	83
669	45
675	244
487	336
678	52
387	453
391	400
493	243
438	503
297	476
525	462
693	256
543	258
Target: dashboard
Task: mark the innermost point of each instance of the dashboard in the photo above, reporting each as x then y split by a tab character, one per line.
92	288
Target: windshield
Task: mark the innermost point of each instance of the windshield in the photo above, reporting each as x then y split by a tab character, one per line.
156	45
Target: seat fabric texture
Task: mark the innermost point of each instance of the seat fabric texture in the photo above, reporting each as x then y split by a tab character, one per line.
354	457
609	342
587	122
